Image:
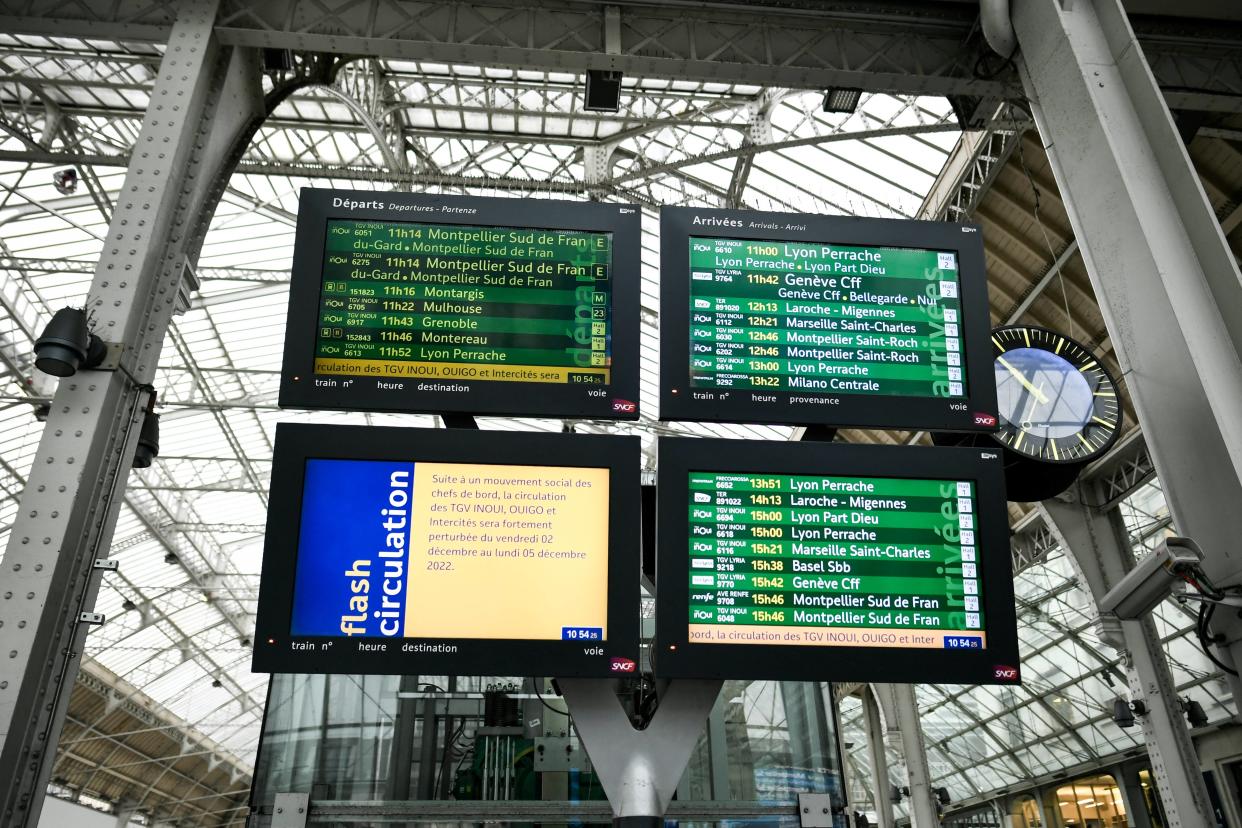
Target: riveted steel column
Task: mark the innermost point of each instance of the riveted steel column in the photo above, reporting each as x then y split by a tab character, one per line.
1098	546
878	755
69	508
1167	284
901	701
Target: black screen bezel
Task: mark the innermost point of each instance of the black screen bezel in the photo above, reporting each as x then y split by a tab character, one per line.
298	442
486	397
977	411
674	656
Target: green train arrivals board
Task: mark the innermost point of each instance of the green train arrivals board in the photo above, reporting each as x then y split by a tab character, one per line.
440	301
810	318
833	561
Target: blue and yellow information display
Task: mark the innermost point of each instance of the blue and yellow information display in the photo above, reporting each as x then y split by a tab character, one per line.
411	551
452	550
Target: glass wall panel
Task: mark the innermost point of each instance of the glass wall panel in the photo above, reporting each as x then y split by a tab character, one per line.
1092	802
420	738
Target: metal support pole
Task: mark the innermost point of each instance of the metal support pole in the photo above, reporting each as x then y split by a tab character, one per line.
879	758
1168	285
1099	547
639	769
427	763
906	714
718	750
204	101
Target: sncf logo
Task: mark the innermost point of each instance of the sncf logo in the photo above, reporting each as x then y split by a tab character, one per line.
624	407
1005	673
622	665
985	420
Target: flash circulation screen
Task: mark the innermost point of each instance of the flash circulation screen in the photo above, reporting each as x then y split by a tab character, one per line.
452	550
411	551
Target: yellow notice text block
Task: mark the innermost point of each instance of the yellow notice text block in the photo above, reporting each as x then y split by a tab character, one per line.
459	371
509	552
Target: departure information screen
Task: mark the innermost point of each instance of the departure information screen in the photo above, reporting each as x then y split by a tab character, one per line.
808	318
452	550
405	300
462	305
833	561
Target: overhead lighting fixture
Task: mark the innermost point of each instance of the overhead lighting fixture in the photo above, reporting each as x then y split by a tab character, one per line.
65	181
841	99
148	437
603	91
67	344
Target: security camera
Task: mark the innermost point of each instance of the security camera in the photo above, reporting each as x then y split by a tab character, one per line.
67	345
65	181
1122	714
1151	581
148	441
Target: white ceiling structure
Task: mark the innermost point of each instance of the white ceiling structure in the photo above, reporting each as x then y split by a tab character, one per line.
189	537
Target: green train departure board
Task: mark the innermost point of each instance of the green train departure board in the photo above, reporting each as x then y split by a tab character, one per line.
460	302
824	319
827	561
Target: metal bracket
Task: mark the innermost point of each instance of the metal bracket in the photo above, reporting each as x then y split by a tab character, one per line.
815	810
90	618
107	564
112	359
559	753
291	810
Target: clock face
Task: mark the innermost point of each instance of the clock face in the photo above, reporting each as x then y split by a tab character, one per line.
1058	404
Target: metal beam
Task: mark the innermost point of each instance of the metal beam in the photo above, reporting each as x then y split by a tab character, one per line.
899	47
70	505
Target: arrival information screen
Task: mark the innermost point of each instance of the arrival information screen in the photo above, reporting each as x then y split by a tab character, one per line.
833	561
452	550
438	301
824	319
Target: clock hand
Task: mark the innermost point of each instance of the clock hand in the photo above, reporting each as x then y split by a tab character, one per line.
1039	395
1030	408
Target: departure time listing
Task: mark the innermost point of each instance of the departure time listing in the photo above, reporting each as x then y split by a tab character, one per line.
833	561
435	301
810	318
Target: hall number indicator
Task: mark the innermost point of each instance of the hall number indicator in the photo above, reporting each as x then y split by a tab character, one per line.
404	300
813	318
833	561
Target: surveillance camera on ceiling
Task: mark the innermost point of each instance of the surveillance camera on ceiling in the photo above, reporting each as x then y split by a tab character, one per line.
1152	580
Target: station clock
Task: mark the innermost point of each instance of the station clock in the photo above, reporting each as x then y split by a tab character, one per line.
1058	410
1057	402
